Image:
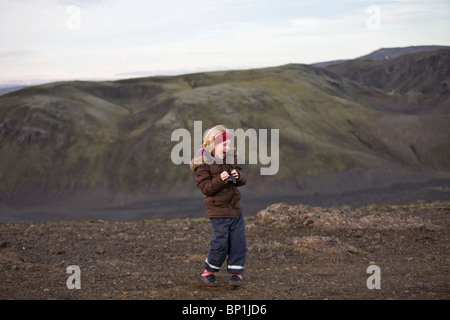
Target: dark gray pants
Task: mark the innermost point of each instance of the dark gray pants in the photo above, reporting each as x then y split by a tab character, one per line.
228	240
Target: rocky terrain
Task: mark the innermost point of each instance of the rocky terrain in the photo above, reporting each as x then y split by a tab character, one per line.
294	252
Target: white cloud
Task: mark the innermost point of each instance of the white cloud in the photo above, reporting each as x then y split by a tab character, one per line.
410	12
127	37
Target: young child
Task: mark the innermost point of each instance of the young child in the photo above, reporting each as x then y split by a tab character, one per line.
214	177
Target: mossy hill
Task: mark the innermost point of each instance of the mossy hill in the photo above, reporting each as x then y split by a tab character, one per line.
351	126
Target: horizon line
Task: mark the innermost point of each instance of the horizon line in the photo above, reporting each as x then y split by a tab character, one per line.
175	72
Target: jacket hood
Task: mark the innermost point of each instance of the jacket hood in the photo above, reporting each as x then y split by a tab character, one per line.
196	162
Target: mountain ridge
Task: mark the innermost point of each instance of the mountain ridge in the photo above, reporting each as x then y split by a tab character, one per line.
108	143
385	54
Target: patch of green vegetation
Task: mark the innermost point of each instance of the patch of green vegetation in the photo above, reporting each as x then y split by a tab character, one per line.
198	220
283	227
154	221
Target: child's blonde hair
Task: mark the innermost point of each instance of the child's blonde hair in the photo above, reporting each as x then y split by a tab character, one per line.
208	142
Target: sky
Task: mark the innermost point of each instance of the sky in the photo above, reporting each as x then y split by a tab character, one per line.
53	40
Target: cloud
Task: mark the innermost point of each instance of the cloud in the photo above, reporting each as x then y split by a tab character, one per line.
178	36
86	3
322	24
8	53
410	12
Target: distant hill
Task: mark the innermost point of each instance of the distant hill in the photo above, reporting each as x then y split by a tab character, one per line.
392	53
415	81
7	89
349	127
386	54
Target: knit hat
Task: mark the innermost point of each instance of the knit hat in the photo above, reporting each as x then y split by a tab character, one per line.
222	138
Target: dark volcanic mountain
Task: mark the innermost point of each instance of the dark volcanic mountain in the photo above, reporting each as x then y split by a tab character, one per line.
392	53
418	81
348	127
386	54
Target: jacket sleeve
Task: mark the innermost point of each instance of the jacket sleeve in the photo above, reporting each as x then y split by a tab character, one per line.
206	183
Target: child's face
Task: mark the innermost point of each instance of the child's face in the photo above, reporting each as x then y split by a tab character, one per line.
221	149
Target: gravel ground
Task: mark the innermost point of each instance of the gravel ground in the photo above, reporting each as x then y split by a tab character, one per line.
294	253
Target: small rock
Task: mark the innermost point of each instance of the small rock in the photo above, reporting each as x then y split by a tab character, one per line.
4	244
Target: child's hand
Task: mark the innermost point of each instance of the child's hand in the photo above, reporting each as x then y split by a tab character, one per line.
224	175
235	174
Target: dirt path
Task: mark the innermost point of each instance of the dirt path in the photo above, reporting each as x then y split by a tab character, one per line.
294	252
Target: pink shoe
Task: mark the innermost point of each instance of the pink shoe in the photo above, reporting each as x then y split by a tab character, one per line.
235	280
209	279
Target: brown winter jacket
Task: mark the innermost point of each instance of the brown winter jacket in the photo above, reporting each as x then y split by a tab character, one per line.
222	200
